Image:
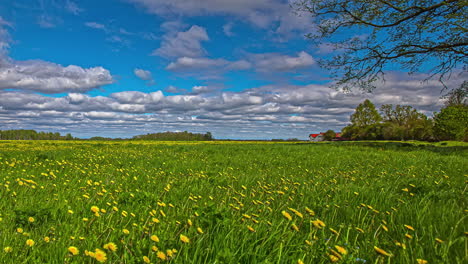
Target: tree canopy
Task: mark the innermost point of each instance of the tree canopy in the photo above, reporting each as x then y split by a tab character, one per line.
365	115
408	34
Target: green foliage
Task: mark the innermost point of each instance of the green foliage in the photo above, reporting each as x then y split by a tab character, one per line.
451	123
458	96
396	123
329	135
23	134
176	136
405	123
365	115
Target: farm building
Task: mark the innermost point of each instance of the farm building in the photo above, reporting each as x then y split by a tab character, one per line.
321	137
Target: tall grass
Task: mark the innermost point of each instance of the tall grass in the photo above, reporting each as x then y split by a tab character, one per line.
405	199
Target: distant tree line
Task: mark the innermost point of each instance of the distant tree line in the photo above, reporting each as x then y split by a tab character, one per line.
23	134
403	122
175	136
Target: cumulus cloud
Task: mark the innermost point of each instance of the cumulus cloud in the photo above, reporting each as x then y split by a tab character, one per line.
173	89
282	111
183	43
188	63
274	62
135	97
144	75
260	13
208	68
47	77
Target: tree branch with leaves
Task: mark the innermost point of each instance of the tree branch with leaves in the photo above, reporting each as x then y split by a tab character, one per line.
414	35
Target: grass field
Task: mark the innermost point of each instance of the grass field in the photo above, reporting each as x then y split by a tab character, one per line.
232	202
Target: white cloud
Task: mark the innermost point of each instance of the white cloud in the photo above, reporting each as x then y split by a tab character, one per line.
4	36
260	13
47	21
173	89
135	97
185	63
184	43
47	77
96	25
227	29
274	62
143	74
73	8
283	111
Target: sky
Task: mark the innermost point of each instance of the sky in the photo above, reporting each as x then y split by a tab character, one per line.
239	69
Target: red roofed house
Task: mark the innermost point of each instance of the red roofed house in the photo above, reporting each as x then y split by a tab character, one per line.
321	137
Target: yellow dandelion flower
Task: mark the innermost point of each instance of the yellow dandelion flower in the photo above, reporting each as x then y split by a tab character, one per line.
70	211
73	250
111	246
146	259
154	248
384	227
287	215
341	250
155	220
155	238
30	242
421	261
318	223
89	253
295	228
184	239
310	211
19	230
199	230
47	239
100	255
300	261
336	254
161	255
189	222
125	231
359	229
94	209
8	249
334	231
333	258
402	245
85	219
409	227
382	252
31	219
408	236
169	253
251	229
308	242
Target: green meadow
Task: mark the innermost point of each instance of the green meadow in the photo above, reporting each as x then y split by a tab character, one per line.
233	202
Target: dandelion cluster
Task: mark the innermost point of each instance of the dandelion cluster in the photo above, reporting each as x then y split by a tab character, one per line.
230	202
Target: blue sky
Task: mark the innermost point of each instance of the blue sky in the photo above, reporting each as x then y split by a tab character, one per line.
240	69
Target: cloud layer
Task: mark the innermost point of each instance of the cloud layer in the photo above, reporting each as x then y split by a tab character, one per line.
263	112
